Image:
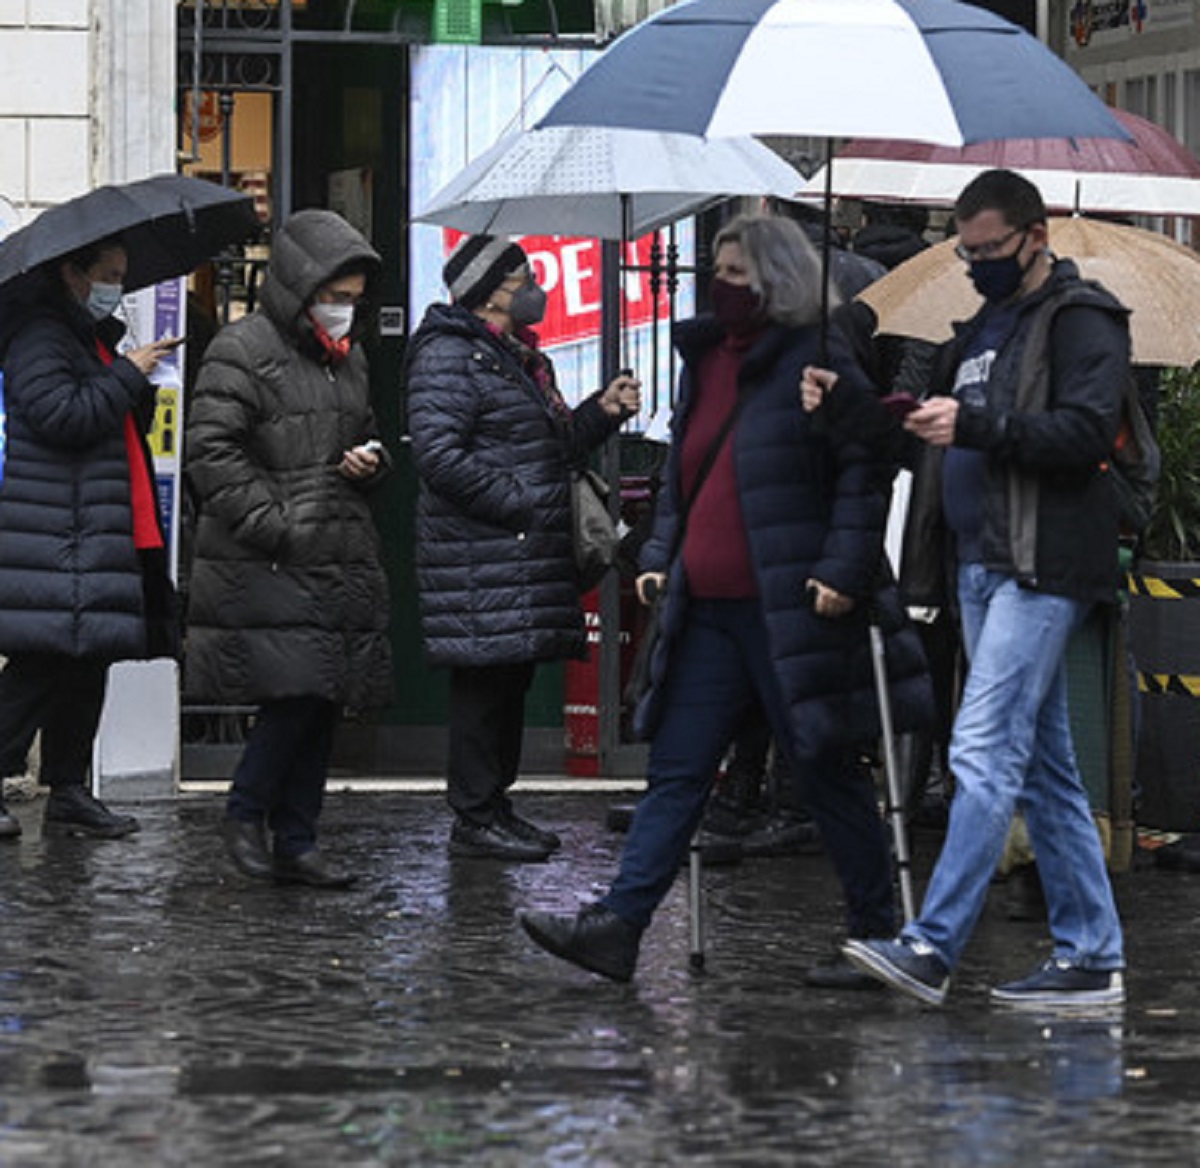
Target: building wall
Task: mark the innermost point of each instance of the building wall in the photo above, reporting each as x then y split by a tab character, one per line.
87	95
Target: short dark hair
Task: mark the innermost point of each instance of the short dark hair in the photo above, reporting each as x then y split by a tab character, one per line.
1013	195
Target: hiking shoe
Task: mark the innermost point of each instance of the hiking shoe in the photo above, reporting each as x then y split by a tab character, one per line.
1061	985
910	966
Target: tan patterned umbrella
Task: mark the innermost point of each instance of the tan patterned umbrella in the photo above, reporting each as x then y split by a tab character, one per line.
1155	277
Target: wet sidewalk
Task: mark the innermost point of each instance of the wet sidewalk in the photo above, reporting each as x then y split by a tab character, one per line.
157	1009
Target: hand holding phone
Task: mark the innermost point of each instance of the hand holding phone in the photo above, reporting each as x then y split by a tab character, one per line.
901	404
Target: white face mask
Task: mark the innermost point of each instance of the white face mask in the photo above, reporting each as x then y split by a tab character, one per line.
103	300
335	319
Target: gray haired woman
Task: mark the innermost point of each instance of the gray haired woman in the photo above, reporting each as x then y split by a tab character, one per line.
767	548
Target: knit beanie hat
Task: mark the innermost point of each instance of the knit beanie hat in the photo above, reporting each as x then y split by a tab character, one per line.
478	266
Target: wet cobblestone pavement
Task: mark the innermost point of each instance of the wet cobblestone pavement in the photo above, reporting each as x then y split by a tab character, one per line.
158	1009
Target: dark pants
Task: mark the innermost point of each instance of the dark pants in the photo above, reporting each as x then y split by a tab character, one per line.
487	724
280	779
60	696
719	666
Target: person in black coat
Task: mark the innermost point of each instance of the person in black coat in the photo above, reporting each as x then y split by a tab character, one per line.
83	568
768	567
494	444
288	607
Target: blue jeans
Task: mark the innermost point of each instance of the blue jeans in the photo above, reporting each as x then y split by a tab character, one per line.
720	665
1012	748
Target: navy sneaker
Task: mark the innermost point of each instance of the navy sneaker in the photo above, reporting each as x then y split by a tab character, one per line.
1061	985
910	966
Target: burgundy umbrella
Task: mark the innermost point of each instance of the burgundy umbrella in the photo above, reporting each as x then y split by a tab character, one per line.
1150	174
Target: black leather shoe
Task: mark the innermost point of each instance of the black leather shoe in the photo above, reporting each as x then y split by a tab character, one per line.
838	974
494	841
246	844
313	869
594	939
10	825
782	835
530	832
76	811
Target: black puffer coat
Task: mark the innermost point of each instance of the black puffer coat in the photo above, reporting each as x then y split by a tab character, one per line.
70	578
288	596
812	509
495	562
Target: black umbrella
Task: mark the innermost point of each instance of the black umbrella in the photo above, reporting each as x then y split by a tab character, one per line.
169	224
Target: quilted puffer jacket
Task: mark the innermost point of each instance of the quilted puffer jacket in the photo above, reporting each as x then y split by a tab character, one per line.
495	564
288	596
812	509
70	578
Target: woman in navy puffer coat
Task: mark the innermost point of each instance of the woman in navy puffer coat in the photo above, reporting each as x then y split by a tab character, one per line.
766	599
494	444
83	568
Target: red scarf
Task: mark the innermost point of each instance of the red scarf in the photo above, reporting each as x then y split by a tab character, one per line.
146	530
336	351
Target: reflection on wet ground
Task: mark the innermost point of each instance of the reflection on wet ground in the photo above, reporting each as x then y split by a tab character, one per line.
156	1009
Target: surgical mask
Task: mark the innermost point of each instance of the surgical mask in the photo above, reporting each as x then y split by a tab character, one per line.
527	305
737	307
335	319
103	300
998	280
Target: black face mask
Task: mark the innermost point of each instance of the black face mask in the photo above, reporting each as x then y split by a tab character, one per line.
998	280
737	307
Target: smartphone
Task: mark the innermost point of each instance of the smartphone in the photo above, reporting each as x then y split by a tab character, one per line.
373	445
170	342
901	404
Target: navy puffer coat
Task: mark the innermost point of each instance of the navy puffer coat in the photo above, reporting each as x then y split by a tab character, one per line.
495	560
812	509
288	595
70	578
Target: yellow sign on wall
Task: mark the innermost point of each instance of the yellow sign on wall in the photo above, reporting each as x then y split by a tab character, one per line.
164	432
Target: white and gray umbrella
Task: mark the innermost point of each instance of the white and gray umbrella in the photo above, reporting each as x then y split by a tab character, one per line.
602	183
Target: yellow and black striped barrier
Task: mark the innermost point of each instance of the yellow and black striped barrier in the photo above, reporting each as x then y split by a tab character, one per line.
1162	589
1181	684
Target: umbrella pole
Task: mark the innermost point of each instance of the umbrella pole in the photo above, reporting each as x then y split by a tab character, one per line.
826	250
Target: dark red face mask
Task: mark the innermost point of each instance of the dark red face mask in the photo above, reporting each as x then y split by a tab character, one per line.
737	307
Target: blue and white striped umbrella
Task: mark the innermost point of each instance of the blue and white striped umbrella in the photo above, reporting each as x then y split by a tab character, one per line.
932	70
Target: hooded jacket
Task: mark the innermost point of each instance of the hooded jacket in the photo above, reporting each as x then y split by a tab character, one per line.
288	596
71	580
812	509
495	558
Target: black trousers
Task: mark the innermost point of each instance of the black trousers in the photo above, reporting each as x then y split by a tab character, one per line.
486	728
60	696
280	778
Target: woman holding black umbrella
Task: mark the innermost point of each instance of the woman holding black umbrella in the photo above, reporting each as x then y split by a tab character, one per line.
83	566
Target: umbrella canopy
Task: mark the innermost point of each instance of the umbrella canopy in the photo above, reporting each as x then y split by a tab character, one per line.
593	181
1151	174
932	70
1154	277
169	223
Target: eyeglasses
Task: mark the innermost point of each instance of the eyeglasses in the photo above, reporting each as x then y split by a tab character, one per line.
989	250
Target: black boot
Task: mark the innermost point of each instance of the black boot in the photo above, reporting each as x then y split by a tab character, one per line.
10	825
313	869
595	939
74	810
246	844
531	833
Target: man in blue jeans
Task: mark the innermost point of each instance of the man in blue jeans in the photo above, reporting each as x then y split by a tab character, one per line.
1026	423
